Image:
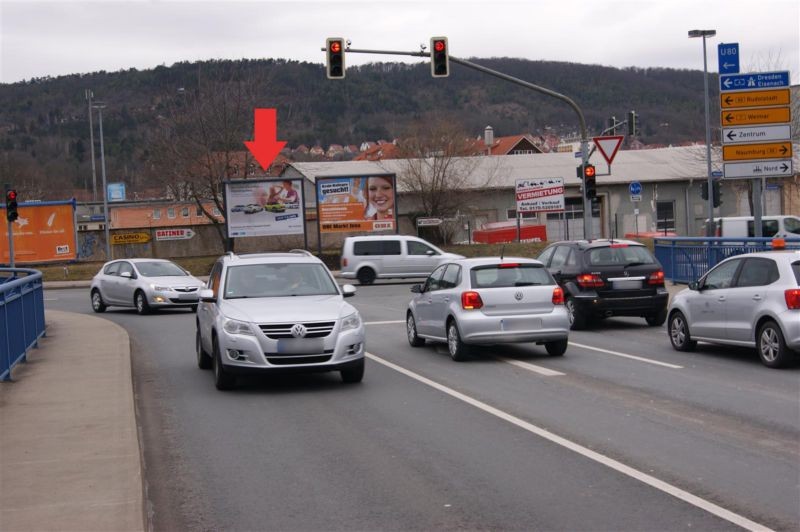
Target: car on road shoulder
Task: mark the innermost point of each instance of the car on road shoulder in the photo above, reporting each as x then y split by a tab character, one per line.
604	278
144	284
488	300
750	300
273	312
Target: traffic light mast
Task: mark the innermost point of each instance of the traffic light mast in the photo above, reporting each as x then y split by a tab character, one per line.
11	215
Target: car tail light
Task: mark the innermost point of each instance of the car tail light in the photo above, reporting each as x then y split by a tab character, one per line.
792	298
590	280
471	300
508	265
618	245
656	278
558	296
344	262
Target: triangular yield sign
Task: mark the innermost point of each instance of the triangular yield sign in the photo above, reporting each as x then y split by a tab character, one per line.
608	146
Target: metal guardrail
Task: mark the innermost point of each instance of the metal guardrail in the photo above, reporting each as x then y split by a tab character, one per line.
21	316
686	259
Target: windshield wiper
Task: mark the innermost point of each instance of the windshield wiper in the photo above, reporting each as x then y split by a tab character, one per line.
524	283
635	264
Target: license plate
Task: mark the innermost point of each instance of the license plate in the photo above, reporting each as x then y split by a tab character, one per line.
627	284
187	297
301	346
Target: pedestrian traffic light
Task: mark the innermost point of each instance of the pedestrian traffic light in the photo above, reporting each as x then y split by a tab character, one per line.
335	57
716	196
633	127
11	205
704	190
440	59
589	183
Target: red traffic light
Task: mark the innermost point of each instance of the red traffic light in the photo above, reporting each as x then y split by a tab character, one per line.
589	171
12	195
336	46
439	46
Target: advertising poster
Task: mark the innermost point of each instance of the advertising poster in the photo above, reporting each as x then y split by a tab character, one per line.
540	195
44	232
356	203
264	207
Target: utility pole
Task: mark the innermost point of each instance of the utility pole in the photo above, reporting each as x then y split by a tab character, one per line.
100	106
89	95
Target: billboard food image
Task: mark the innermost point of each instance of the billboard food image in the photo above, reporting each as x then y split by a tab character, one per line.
357	203
44	232
264	208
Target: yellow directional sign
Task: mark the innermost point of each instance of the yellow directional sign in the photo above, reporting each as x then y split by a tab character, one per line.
755	98
772	150
741	117
130	238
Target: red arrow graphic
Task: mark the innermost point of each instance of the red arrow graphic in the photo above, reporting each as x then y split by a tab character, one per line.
265	146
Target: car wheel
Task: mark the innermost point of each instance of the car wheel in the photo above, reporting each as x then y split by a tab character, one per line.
576	318
354	373
557	348
656	320
222	379
140	301
411	332
204	360
679	333
458	349
366	276
772	346
97	301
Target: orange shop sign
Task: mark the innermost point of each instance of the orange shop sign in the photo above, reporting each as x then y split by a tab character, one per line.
44	232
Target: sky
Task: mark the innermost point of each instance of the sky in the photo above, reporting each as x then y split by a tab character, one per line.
53	38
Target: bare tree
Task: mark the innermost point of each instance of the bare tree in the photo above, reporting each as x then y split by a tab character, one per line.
24	174
200	143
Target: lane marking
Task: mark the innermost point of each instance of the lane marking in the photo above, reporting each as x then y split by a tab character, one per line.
650	480
392	322
531	367
624	355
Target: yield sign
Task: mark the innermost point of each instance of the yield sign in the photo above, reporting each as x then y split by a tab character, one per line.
608	146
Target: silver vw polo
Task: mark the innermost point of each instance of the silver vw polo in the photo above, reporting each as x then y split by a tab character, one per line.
274	312
490	300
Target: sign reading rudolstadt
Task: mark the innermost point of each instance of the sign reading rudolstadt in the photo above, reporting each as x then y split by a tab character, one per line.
130	238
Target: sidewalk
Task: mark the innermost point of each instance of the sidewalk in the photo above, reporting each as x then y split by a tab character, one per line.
69	450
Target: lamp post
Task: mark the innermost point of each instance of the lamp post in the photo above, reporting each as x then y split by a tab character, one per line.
710	225
100	106
89	95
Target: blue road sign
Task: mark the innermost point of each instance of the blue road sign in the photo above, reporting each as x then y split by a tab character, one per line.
755	80
716	173
728	58
635	188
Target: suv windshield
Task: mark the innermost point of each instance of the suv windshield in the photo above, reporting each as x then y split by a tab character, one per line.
160	269
506	275
622	255
278	280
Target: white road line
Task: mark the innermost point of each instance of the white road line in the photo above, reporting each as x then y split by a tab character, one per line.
383	322
623	355
531	367
650	480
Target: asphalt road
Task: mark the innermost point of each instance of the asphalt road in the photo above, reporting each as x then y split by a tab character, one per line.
621	433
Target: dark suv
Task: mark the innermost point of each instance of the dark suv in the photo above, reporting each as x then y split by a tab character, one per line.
603	278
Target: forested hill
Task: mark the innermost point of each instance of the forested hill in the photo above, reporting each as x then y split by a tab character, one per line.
44	123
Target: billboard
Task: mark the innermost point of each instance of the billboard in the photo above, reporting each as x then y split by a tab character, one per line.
116	192
268	207
44	232
357	203
540	195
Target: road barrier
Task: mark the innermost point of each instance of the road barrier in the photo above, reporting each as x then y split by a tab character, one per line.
21	316
686	259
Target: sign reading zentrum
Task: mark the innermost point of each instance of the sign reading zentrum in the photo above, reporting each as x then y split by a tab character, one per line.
763	102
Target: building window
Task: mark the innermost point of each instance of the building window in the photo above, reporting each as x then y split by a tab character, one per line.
199	211
573	210
185	212
511	214
215	212
156	214
665	215
171	213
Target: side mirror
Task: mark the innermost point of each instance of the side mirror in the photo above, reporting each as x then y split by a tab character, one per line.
417	288
207	296
348	290
694	285
431	253
127	275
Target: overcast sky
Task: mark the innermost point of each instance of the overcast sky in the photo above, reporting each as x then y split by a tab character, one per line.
60	37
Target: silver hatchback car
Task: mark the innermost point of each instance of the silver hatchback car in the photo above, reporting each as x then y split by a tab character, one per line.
750	300
145	284
489	300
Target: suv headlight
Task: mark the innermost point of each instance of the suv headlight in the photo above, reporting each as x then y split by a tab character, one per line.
353	321
159	288
237	327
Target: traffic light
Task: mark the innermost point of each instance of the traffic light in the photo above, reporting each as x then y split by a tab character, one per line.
611	125
589	183
440	59
11	205
716	196
335	56
704	190
633	127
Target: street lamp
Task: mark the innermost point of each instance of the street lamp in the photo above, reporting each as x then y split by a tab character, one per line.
710	226
100	106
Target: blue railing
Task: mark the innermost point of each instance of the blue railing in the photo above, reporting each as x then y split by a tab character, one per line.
21	316
686	259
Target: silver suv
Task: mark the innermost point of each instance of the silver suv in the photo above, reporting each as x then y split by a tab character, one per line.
275	312
748	300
